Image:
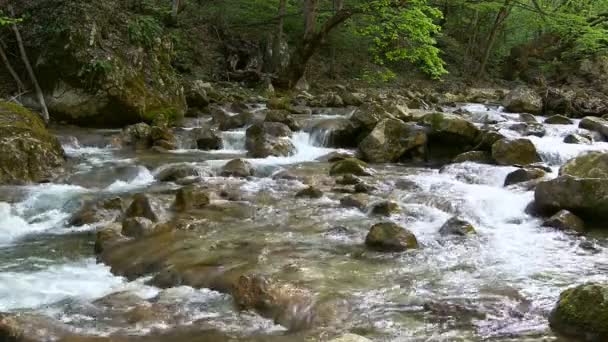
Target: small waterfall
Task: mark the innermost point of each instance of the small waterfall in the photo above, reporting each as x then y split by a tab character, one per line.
233	141
321	137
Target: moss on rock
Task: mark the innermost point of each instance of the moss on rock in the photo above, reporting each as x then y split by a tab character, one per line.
582	312
28	152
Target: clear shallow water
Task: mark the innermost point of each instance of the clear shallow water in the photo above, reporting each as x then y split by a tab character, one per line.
498	285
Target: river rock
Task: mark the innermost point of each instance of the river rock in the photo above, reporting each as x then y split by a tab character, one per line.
558	120
526	129
351	166
585	197
227	121
577	139
449	135
457	226
368	115
565	220
385	208
206	138
268	139
527	118
238	168
391	139
390	237
310	192
137	227
451	127
282	116
581	312
359	201
93	212
141	207
589	165
335	132
196	94
364	188
190	197
523	99
177	172
595	124
348	179
28	152
517	151
480	157
487	140
523	175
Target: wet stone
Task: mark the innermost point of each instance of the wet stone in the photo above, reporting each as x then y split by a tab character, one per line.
310	192
385	208
457	226
141	207
359	201
137	227
523	175
390	237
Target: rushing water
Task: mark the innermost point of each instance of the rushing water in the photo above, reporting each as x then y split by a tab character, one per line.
499	285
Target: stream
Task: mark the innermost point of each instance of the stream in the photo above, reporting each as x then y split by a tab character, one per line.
499	285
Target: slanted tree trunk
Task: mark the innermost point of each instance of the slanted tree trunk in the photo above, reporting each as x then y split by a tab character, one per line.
501	16
9	67
308	46
30	71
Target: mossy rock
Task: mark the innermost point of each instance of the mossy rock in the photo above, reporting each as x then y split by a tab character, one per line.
28	152
390	237
590	165
585	197
104	63
515	152
582	312
351	166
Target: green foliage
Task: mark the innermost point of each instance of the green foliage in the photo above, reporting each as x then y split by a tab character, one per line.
4	20
144	30
95	70
404	33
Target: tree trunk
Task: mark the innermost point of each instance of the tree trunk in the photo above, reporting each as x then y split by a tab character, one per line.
278	39
338	5
30	71
503	13
309	45
175	9
9	67
310	18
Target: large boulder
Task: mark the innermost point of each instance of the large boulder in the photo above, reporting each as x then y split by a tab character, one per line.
268	139
282	116
517	151
582	312
585	197
190	197
105	65
595	124
449	135
391	139
590	165
390	237
196	94
205	138
368	115
523	99
28	152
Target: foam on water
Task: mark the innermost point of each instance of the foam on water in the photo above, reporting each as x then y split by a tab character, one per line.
305	151
84	280
144	177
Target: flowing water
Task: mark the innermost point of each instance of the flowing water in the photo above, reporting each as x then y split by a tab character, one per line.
498	285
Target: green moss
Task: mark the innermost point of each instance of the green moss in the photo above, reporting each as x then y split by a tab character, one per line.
12	114
582	310
162	116
352	166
